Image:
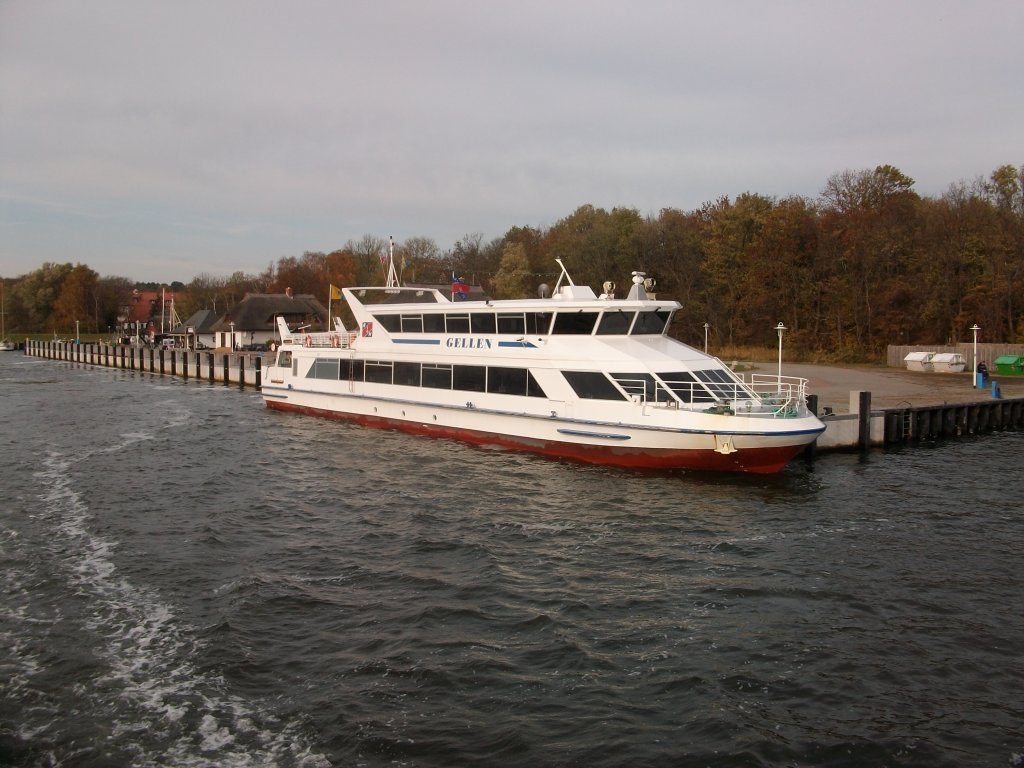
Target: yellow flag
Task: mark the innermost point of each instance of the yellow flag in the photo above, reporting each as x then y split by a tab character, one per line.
335	294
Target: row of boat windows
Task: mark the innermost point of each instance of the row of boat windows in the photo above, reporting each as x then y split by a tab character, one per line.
469	378
696	387
613	322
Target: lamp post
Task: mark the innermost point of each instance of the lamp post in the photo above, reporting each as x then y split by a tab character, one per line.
974	369
232	324
706	326
77	335
781	329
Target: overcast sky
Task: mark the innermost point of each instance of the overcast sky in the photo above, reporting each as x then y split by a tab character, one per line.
161	140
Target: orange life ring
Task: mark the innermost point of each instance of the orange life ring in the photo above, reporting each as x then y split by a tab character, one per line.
308	341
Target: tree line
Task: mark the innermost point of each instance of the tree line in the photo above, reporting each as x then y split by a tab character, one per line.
870	262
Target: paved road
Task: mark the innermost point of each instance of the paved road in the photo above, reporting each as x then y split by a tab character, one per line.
891	387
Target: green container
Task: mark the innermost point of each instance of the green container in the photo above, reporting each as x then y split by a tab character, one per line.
1011	365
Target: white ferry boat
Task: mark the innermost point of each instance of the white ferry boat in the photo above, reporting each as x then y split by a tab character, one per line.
575	376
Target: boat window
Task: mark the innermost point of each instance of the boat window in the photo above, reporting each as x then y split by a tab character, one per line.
515	324
284	358
506	381
396	296
579	323
351	370
615	323
472	378
720	383
407	374
538	323
437	376
390	323
433	323
644	386
378	372
412	323
651	322
592	385
457	323
686	387
482	322
323	368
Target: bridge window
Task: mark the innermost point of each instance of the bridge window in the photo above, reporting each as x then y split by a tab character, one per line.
651	322
615	323
578	323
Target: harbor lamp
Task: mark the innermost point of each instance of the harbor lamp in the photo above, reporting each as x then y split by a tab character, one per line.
974	368
706	326
781	329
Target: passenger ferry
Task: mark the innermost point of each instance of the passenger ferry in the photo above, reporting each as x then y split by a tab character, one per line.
572	375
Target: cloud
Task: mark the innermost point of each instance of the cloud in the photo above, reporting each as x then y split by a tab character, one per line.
234	133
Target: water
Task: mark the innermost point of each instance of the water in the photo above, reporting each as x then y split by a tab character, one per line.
191	580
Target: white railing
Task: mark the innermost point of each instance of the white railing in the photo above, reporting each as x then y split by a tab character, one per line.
786	395
762	396
336	339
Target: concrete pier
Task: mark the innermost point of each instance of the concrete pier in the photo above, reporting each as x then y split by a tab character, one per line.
862	407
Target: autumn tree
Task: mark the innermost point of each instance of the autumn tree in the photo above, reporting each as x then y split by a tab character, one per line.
74	302
513	279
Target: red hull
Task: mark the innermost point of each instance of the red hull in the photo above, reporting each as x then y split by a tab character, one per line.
754	460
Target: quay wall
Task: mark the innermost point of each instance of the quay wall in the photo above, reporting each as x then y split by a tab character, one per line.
862	428
865	428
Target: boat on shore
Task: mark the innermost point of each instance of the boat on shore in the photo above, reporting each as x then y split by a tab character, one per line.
574	376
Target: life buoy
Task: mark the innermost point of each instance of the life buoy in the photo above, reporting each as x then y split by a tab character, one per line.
308	341
335	341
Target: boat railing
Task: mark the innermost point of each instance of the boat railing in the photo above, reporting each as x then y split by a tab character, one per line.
785	395
321	339
762	396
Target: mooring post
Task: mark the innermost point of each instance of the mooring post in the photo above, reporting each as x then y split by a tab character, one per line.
811	451
259	372
227	359
864	432
213	364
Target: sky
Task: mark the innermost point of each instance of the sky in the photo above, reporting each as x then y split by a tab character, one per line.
163	140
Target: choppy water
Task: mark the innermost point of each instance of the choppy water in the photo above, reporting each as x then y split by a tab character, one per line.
191	580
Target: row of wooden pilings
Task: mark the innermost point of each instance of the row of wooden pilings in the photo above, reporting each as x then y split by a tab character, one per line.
241	368
905	425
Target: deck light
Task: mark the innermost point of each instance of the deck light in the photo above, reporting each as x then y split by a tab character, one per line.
781	329
974	367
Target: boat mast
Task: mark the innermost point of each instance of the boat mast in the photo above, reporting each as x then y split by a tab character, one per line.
392	281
